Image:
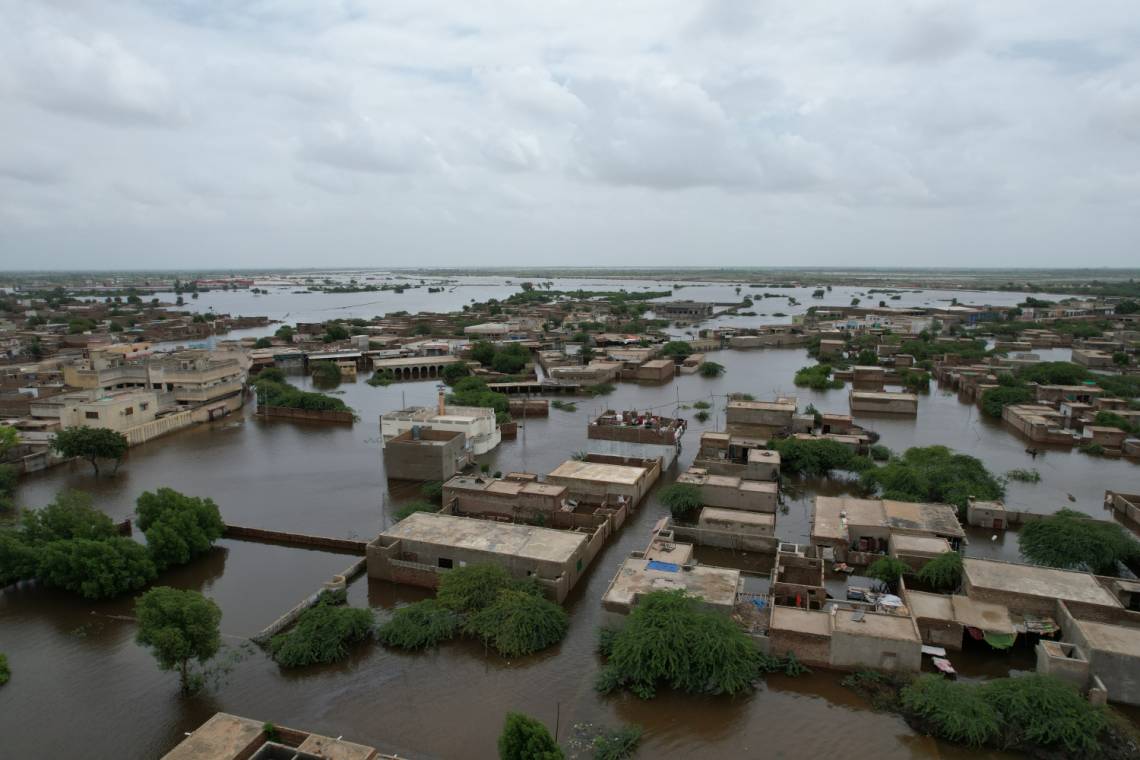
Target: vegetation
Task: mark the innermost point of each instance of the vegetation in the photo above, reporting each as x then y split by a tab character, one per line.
1075	541
619	744
711	369
888	571
1111	419
177	527
933	474
452	373
259	343
511	616
473	391
508	360
943	573
272	390
1024	476
701	415
702	405
322	633
880	453
419	626
817	458
994	399
817	378
407	510
382	378
519	622
9	438
5	671
566	406
179	626
677	350
668	639
432	491
91	444
95	569
1030	712
681	498
599	389
525	738
915	380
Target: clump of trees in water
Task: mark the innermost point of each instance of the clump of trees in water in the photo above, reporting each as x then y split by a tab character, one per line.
933	474
179	627
273	390
1014	387
510	615
817	377
817	458
69	544
669	640
1074	541
323	633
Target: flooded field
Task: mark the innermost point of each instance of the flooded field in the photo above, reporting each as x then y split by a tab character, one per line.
80	684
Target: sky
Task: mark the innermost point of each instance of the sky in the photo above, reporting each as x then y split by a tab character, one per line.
313	133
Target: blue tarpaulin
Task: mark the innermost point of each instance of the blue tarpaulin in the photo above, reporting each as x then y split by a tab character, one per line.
666	567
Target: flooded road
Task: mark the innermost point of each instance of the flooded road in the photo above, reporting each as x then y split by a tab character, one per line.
80	683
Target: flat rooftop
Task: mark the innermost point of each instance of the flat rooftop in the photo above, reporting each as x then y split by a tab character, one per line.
503	487
636	576
737	517
920	544
527	541
222	737
812	622
767	406
1118	639
885	396
877	625
1031	580
764	455
328	748
619	474
903	516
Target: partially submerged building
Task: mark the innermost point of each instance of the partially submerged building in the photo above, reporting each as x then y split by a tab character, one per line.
424	453
760	419
231	737
742	456
517	497
870	402
600	479
420	547
732	492
477	424
641	435
858	531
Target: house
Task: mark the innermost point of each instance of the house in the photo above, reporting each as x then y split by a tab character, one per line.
420	547
475	422
732	492
858	531
728	454
423	453
518	496
656	371
641	435
601	479
230	737
760	419
683	310
863	402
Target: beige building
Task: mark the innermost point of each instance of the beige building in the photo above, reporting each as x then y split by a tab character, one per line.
871	402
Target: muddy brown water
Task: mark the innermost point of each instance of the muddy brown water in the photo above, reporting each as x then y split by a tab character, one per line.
81	686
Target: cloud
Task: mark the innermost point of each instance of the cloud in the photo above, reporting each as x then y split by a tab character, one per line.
360	145
33	170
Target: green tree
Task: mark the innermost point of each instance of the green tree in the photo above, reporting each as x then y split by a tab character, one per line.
711	369
483	351
888	570
677	349
91	444
586	353
669	639
334	331
943	573
5	671
325	373
995	399
9	438
177	527
285	333
263	343
933	474
681	498
817	457
419	625
95	569
519	622
525	738
454	372
322	633
179	627
473	587
70	515
1075	541
817	378
407	510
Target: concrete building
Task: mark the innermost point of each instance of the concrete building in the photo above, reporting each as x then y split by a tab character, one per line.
230	737
595	372
426	454
943	619
1034	590
607	480
476	423
1092	358
868	378
732	492
683	310
656	371
737	521
760	419
640	435
831	348
865	402
744	457
420	547
858	531
115	411
1039	423
517	497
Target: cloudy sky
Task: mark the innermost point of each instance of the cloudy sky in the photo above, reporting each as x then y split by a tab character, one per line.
277	133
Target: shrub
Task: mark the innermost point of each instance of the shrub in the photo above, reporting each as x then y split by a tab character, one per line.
943	573
995	399
888	570
419	626
880	453
518	623
178	626
1024	476
406	510
701	416
677	349
454	372
816	458
70	515
817	378
471	588
711	369
619	744
599	389
566	406
668	639
273	393
322	635
681	498
933	474
702	405
525	738
382	378
432	491
957	712
1073	540
5	671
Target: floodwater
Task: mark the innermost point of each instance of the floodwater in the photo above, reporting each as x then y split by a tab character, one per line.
81	685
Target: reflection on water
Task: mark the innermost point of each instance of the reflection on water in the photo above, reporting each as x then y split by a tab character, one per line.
76	658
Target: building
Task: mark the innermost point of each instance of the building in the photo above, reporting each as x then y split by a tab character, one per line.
640	435
230	737
420	547
731	492
868	378
858	531
475	422
115	411
760	419
1033	590
683	310
864	402
736	522
656	371
1039	423
517	497
943	619
607	480
423	453
744	457
595	372
831	348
